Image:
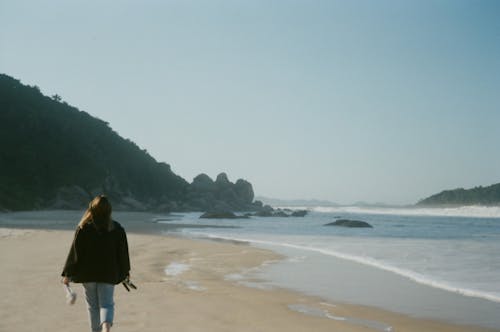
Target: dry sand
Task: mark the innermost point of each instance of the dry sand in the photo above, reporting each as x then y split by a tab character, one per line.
204	291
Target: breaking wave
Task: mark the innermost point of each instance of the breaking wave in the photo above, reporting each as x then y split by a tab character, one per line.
475	211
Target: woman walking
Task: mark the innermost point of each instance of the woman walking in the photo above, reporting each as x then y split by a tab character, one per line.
98	258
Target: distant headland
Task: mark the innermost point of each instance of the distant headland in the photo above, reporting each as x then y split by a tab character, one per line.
487	196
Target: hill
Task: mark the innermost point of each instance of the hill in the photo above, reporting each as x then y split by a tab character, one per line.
53	155
489	195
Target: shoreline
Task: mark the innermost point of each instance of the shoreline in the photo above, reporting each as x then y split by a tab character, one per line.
355	283
348	281
207	288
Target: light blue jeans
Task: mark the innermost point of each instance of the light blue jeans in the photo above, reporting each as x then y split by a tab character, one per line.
100	303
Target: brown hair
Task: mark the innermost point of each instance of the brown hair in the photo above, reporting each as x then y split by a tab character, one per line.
98	212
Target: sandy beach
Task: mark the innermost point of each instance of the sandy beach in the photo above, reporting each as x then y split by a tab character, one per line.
184	285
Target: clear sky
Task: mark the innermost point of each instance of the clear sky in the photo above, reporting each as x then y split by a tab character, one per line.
378	101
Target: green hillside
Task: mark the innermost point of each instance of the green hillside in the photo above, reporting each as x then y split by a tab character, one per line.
50	150
476	196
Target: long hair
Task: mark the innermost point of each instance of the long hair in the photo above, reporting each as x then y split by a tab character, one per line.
99	213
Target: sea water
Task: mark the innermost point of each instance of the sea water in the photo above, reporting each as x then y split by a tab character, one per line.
434	263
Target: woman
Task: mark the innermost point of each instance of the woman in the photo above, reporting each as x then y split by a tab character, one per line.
99	259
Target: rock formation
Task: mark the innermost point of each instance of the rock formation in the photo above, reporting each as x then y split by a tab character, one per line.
350	223
204	194
221	215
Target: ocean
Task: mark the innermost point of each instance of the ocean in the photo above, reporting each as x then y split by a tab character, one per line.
430	263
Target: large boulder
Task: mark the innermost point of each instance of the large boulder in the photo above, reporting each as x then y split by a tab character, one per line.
280	213
268	211
218	215
222	179
263	213
202	182
257	205
350	223
203	194
221	206
244	191
299	213
267	208
228	196
221	215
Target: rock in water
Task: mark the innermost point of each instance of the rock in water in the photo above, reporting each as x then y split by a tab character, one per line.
263	213
218	215
280	214
299	213
221	215
350	223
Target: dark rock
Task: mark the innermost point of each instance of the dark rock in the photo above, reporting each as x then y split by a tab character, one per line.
268	211
219	215
267	208
228	196
222	179
263	213
244	191
280	214
257	204
203	194
299	213
203	182
221	206
350	223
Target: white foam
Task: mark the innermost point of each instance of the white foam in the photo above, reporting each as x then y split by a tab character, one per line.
174	269
256	285
311	311
476	211
328	304
13	232
297	259
193	285
335	317
417	277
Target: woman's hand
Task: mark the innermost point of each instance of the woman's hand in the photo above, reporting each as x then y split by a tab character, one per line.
65	280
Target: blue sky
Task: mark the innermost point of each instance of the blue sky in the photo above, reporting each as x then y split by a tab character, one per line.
379	101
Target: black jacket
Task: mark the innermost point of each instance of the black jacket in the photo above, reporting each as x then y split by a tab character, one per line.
98	255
